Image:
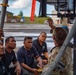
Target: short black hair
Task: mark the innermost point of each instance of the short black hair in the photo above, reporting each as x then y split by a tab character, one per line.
8	38
27	37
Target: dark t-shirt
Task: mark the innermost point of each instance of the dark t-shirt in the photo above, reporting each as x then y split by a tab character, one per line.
39	48
27	57
3	70
8	58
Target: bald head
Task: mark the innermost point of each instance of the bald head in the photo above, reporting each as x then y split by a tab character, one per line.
42	36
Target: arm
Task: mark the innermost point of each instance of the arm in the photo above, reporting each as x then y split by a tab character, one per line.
46	55
16	64
45	52
18	68
36	55
28	68
45	61
39	62
21	59
50	21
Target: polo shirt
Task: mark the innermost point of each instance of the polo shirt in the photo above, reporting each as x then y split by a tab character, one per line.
8	58
39	48
27	56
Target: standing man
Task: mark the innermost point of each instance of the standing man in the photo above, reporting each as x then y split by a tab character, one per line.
9	57
64	24
41	47
26	55
3	70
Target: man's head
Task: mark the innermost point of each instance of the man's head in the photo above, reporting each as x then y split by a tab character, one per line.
42	37
59	35
28	42
10	42
1	48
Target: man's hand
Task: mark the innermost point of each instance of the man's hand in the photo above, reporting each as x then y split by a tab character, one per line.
45	62
50	21
18	70
34	70
40	64
39	59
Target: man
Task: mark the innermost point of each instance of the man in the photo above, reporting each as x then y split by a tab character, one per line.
65	65
59	35
26	55
9	57
41	47
3	70
64	24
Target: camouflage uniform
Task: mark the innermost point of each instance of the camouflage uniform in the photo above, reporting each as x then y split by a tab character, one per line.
65	65
66	59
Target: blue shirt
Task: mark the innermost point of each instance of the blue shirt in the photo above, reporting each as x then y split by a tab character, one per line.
27	56
40	48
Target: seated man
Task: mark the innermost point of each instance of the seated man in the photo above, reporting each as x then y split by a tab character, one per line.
59	34
65	65
26	55
41	47
9	56
3	70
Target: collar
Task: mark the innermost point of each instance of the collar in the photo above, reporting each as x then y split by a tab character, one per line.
39	42
54	47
